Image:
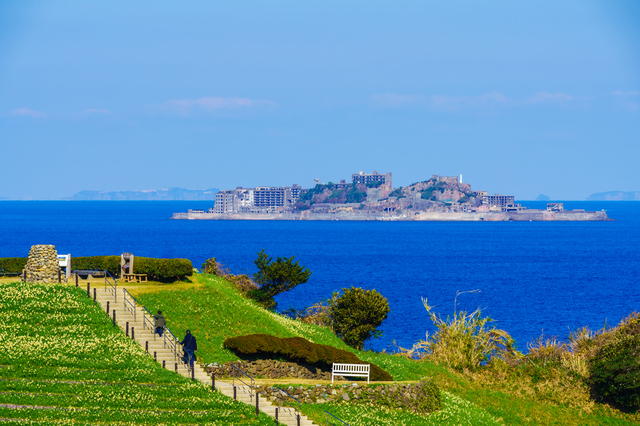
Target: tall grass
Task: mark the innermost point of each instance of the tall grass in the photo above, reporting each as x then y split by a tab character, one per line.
462	341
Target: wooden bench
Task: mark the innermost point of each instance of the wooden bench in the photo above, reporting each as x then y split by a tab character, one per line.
352	370
138	278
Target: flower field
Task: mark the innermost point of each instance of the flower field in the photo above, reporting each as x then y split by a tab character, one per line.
62	362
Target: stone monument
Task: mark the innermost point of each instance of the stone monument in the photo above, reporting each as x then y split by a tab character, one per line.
43	266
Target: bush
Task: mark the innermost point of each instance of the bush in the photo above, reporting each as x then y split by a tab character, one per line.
357	314
13	264
211	266
297	349
163	270
615	372
465	341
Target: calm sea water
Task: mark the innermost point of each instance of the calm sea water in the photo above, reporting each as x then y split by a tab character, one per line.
533	277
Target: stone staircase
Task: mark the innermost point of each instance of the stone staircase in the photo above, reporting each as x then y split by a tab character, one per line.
135	321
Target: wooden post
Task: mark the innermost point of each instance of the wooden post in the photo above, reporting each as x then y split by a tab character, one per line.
164	363
277	415
133	336
155	356
146	346
108	314
77	281
94	296
235	396
114	317
213	382
88	290
257	404
59	276
193	373
176	367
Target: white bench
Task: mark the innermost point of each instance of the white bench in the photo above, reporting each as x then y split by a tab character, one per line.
352	370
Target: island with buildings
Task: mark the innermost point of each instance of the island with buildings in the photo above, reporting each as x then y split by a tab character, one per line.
371	196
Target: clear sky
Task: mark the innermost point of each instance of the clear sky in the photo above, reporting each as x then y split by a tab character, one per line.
521	98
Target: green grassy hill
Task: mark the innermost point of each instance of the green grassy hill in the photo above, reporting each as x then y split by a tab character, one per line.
62	361
215	311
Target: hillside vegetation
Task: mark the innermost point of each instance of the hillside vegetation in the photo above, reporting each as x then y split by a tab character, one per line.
62	361
528	394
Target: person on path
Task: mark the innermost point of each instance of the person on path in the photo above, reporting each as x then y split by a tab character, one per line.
159	323
190	347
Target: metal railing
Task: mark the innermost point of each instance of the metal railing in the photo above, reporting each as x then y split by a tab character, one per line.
129	305
251	385
329	421
286	398
113	288
171	341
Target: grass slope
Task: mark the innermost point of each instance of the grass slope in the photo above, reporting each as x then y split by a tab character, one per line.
215	311
63	362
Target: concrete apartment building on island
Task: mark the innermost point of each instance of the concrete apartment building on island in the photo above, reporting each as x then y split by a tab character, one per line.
261	199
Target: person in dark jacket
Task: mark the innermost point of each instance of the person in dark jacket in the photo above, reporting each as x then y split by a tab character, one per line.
190	347
160	323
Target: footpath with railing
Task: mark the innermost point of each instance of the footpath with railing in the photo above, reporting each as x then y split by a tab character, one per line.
170	349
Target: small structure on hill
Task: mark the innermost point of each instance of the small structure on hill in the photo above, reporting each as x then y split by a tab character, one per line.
43	266
126	264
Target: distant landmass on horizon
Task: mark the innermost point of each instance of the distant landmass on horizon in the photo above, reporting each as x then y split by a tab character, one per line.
615	196
171	194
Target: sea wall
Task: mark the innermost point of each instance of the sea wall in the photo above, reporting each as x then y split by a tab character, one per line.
526	215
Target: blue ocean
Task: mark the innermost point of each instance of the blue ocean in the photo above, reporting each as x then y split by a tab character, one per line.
534	278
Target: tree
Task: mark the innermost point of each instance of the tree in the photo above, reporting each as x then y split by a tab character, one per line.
357	314
275	277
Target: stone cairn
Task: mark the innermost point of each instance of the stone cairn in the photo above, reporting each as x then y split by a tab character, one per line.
43	266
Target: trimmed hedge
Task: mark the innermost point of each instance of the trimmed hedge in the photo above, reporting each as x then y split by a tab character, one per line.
164	270
297	349
13	264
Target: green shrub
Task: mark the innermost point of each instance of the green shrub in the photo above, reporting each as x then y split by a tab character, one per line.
357	314
615	372
90	263
164	270
13	264
297	349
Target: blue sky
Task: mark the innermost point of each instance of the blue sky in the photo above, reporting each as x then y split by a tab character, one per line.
521	98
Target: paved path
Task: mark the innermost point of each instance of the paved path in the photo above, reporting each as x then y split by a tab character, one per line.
160	348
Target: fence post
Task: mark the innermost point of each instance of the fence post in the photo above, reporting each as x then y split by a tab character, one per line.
59	278
298	418
235	395
108	314
76	279
164	363
133	336
277	415
94	296
257	404
88	290
146	346
126	328
155	356
114	317
176	367
24	274
213	382
193	373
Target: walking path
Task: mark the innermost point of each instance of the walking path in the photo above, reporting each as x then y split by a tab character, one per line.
135	320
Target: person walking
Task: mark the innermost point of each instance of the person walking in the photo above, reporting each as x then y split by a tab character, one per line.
159	323
190	347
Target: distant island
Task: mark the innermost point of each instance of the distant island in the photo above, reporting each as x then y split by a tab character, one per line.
371	196
171	194
615	196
